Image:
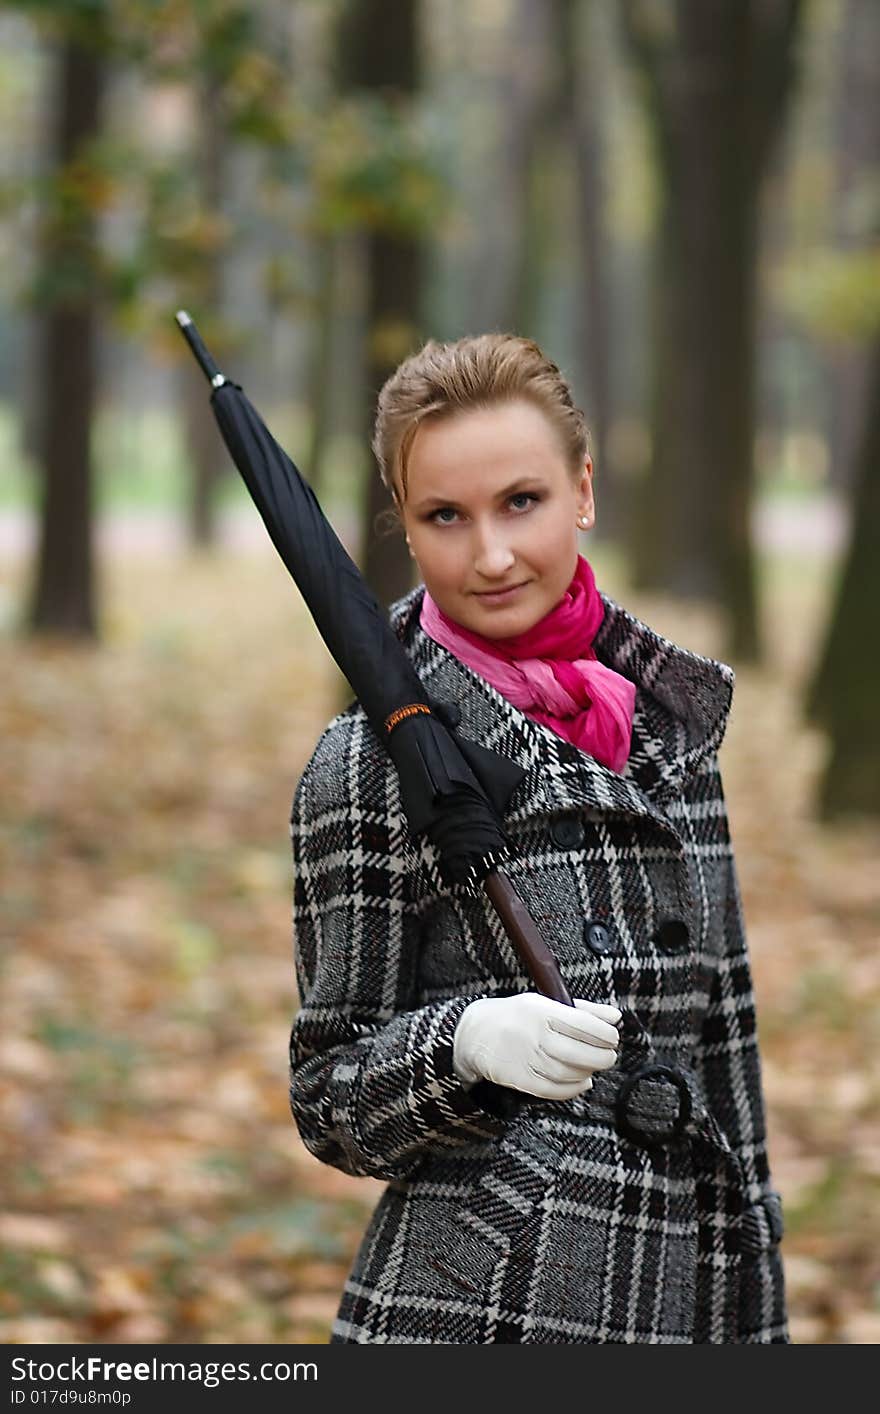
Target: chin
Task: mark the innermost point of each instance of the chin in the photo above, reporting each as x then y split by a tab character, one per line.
504	623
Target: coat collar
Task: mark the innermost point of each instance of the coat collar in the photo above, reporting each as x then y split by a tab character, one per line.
681	711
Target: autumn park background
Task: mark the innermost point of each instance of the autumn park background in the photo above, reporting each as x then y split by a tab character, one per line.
680	199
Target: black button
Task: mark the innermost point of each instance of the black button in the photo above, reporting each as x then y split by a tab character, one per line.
672	935
599	938
567	832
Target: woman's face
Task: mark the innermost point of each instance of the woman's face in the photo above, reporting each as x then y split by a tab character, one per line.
491	503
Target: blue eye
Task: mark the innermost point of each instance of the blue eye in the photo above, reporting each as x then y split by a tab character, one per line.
528	496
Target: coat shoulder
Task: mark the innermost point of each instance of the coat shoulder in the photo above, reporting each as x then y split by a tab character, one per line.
347	764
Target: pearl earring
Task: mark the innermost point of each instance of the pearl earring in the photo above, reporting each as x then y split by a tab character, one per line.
584	521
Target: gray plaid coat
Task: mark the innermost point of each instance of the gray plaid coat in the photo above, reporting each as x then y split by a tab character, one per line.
640	1212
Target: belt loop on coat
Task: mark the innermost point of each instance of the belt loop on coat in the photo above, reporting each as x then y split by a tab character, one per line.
646	1111
650	1099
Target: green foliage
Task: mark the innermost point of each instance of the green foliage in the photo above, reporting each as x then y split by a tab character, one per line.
88	20
115	183
130	226
835	294
74	267
375	166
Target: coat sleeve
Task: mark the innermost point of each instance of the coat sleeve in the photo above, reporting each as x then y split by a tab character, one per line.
372	1086
731	1070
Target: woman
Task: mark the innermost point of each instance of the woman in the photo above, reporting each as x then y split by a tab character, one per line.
626	1197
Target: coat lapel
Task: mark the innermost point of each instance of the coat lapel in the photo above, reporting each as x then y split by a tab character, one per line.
682	707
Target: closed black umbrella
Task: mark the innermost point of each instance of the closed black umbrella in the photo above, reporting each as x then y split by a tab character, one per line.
453	791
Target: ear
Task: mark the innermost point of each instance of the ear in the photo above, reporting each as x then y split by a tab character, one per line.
586	503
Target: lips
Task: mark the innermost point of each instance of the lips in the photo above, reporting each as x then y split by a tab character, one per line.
499	593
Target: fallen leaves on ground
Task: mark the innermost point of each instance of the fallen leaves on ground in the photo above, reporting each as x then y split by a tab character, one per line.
155	1188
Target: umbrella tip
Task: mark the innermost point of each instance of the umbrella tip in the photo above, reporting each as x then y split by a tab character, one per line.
182	318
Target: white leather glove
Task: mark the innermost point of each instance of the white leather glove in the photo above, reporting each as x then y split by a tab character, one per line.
531	1043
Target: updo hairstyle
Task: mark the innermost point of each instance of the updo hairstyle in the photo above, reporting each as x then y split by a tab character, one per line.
477	371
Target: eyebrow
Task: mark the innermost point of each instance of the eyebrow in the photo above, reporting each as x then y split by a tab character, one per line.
521	484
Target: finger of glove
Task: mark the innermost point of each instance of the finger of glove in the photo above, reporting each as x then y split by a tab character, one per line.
545	1089
583	1026
560	1072
568	1091
603	1009
576	1055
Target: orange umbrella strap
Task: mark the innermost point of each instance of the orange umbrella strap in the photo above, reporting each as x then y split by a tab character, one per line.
401	713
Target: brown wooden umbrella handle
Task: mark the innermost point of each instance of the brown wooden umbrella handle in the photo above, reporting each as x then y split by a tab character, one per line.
520	927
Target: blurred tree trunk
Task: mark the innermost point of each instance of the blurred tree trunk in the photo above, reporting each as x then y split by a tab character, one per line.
551	123
205	457
316	78
321	359
528	133
63	598
846	688
717	75
580	97
502	289
394	287
536	156
379	51
856	215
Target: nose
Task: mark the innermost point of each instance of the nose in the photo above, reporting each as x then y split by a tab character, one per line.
493	557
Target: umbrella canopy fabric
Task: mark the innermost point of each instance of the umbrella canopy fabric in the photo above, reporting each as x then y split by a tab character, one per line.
452	790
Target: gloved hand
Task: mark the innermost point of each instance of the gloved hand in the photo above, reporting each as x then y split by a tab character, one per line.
534	1044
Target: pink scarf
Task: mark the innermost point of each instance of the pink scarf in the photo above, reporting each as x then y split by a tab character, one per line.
551	672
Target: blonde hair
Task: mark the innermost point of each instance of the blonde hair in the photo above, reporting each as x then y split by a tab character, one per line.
477	371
